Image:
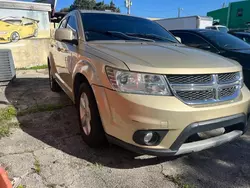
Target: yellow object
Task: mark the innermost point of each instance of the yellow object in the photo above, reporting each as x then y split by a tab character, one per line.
13	29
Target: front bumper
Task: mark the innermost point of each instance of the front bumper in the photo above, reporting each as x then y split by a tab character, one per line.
4	38
124	114
179	147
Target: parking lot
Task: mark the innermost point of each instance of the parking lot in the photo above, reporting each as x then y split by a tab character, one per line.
44	146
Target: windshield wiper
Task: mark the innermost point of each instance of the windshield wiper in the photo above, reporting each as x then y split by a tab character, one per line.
151	36
120	35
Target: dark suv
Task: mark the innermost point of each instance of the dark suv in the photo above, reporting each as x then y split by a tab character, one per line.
220	43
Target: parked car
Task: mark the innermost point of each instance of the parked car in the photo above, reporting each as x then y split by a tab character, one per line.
220	28
242	35
220	43
135	85
13	29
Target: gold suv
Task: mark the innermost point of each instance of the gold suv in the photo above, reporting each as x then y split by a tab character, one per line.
135	85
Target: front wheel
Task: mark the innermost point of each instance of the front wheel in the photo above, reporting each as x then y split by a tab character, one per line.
14	37
89	119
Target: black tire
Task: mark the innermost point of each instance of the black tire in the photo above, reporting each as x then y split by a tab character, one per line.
96	137
54	86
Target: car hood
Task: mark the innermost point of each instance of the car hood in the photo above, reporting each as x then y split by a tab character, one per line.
166	58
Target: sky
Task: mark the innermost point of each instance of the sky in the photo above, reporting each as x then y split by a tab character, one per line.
162	8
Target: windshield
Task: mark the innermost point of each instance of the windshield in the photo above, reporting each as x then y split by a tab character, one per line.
226	41
223	29
98	26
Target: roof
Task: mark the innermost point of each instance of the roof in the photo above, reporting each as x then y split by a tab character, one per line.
107	12
10	18
101	12
218	26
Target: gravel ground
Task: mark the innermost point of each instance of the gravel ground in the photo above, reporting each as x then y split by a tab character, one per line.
47	148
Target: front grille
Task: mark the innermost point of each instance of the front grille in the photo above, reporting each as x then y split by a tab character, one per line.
190	79
228	77
196	95
227	92
6	65
205	89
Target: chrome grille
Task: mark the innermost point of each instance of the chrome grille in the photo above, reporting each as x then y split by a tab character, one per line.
196	95
190	79
205	89
228	77
226	92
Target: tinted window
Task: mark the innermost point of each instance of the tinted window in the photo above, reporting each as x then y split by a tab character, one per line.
191	39
246	39
132	26
243	37
63	23
72	25
225	40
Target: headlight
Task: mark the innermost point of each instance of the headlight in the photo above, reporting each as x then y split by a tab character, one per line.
140	83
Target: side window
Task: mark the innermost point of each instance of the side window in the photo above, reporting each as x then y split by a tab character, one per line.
63	23
194	41
246	39
73	26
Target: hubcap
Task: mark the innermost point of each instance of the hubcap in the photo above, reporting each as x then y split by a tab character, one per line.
85	114
15	36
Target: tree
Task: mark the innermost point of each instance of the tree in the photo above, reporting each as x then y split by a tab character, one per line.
91	5
67	9
83	4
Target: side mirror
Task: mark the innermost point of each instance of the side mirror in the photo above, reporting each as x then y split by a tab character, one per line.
64	34
178	38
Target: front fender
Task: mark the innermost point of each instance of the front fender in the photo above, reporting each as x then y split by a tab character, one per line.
87	69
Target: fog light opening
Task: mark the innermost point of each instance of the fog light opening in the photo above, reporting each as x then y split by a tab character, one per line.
151	138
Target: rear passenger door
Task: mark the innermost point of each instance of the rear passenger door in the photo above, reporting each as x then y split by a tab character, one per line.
195	41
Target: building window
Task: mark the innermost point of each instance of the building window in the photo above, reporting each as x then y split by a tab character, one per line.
239	12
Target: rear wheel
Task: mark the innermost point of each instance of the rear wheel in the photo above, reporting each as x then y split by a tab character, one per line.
54	86
89	119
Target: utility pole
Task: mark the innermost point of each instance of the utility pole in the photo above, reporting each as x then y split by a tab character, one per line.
128	4
179	12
